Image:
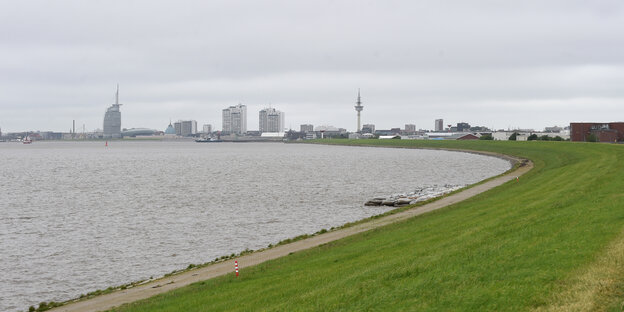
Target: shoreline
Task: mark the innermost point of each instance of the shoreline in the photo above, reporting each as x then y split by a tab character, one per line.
213	269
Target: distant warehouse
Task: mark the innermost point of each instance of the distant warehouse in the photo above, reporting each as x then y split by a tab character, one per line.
597	132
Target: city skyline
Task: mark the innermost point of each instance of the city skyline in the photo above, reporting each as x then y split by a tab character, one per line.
115	109
115	122
501	65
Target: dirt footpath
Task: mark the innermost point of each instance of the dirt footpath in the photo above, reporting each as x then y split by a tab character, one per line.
120	297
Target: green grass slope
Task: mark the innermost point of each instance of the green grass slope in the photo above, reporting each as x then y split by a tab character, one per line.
531	244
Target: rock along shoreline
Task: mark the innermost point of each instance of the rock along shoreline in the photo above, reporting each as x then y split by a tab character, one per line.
418	195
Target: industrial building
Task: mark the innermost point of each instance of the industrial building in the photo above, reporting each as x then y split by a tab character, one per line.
598	132
305	128
368	128
134	132
463	126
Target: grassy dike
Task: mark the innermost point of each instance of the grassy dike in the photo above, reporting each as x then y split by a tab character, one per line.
552	241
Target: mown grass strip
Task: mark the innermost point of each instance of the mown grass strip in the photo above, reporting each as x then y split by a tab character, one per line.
517	247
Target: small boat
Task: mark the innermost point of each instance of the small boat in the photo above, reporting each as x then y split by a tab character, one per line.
27	140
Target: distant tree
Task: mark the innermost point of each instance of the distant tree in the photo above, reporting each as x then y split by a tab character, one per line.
544	138
513	136
486	137
592	138
532	137
557	138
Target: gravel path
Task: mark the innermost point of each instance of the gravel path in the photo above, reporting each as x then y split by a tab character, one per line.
120	297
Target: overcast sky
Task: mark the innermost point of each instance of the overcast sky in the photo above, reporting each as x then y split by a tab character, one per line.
501	64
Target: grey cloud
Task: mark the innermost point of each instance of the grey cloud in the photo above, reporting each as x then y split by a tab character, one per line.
484	62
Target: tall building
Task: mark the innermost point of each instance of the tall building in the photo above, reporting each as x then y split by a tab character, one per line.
189	127
263	120
358	109
207	128
226	121
178	127
306	128
410	128
185	127
271	120
439	125
235	120
112	119
275	121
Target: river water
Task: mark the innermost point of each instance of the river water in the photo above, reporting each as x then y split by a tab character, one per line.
79	216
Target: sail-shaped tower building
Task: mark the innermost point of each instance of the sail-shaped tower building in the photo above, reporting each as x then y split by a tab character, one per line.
112	119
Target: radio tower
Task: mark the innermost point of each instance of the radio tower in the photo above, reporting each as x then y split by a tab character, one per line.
358	109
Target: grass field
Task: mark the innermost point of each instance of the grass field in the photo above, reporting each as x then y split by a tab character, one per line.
552	241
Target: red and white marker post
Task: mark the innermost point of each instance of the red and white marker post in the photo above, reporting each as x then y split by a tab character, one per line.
236	267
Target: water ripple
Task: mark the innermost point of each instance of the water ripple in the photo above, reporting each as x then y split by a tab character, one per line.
77	217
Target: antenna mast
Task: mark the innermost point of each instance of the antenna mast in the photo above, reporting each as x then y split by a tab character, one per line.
358	109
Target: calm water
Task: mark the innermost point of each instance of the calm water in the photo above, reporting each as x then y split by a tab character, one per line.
76	217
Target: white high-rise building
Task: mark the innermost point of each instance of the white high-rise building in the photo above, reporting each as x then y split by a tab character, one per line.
263	120
439	125
189	127
226	123
207	128
185	127
235	119
271	120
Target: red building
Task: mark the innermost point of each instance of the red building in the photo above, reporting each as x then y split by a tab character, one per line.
600	132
